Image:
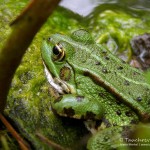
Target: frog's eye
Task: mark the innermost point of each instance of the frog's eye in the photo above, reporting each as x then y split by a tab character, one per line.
58	52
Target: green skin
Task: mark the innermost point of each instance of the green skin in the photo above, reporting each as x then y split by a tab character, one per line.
101	86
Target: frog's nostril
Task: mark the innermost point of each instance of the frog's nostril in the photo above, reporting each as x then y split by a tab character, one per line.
49	39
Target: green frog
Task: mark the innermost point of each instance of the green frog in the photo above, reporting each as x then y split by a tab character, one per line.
92	83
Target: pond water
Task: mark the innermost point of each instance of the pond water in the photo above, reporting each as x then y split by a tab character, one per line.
85	7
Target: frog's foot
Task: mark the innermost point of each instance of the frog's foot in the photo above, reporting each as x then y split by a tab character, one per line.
91	126
109	138
79	107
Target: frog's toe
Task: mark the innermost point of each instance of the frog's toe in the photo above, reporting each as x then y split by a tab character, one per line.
109	138
79	107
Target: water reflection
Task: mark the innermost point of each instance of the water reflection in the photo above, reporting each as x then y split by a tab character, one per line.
85	7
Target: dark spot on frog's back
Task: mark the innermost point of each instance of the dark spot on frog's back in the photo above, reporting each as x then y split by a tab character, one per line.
107	58
89	115
128	113
118	102
69	111
65	73
104	70
118	112
102	94
97	63
127	83
135	73
123	61
104	51
139	99
120	68
134	121
79	98
148	102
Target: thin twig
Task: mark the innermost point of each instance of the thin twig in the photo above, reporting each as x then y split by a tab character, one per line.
50	143
22	143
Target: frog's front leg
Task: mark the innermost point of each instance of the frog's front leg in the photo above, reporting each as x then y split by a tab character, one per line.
79	107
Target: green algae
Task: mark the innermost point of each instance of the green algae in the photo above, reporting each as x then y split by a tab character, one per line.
115	25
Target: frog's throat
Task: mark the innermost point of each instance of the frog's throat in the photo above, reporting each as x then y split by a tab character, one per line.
59	85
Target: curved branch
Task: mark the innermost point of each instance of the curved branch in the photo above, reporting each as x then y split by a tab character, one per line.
24	29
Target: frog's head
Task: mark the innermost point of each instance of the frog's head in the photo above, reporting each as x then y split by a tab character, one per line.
58	53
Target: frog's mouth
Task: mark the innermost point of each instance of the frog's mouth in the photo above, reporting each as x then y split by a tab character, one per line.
59	85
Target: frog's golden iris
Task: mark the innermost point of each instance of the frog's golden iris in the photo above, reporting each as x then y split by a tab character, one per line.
58	52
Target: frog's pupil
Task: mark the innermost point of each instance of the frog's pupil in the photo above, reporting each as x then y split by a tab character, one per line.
56	50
